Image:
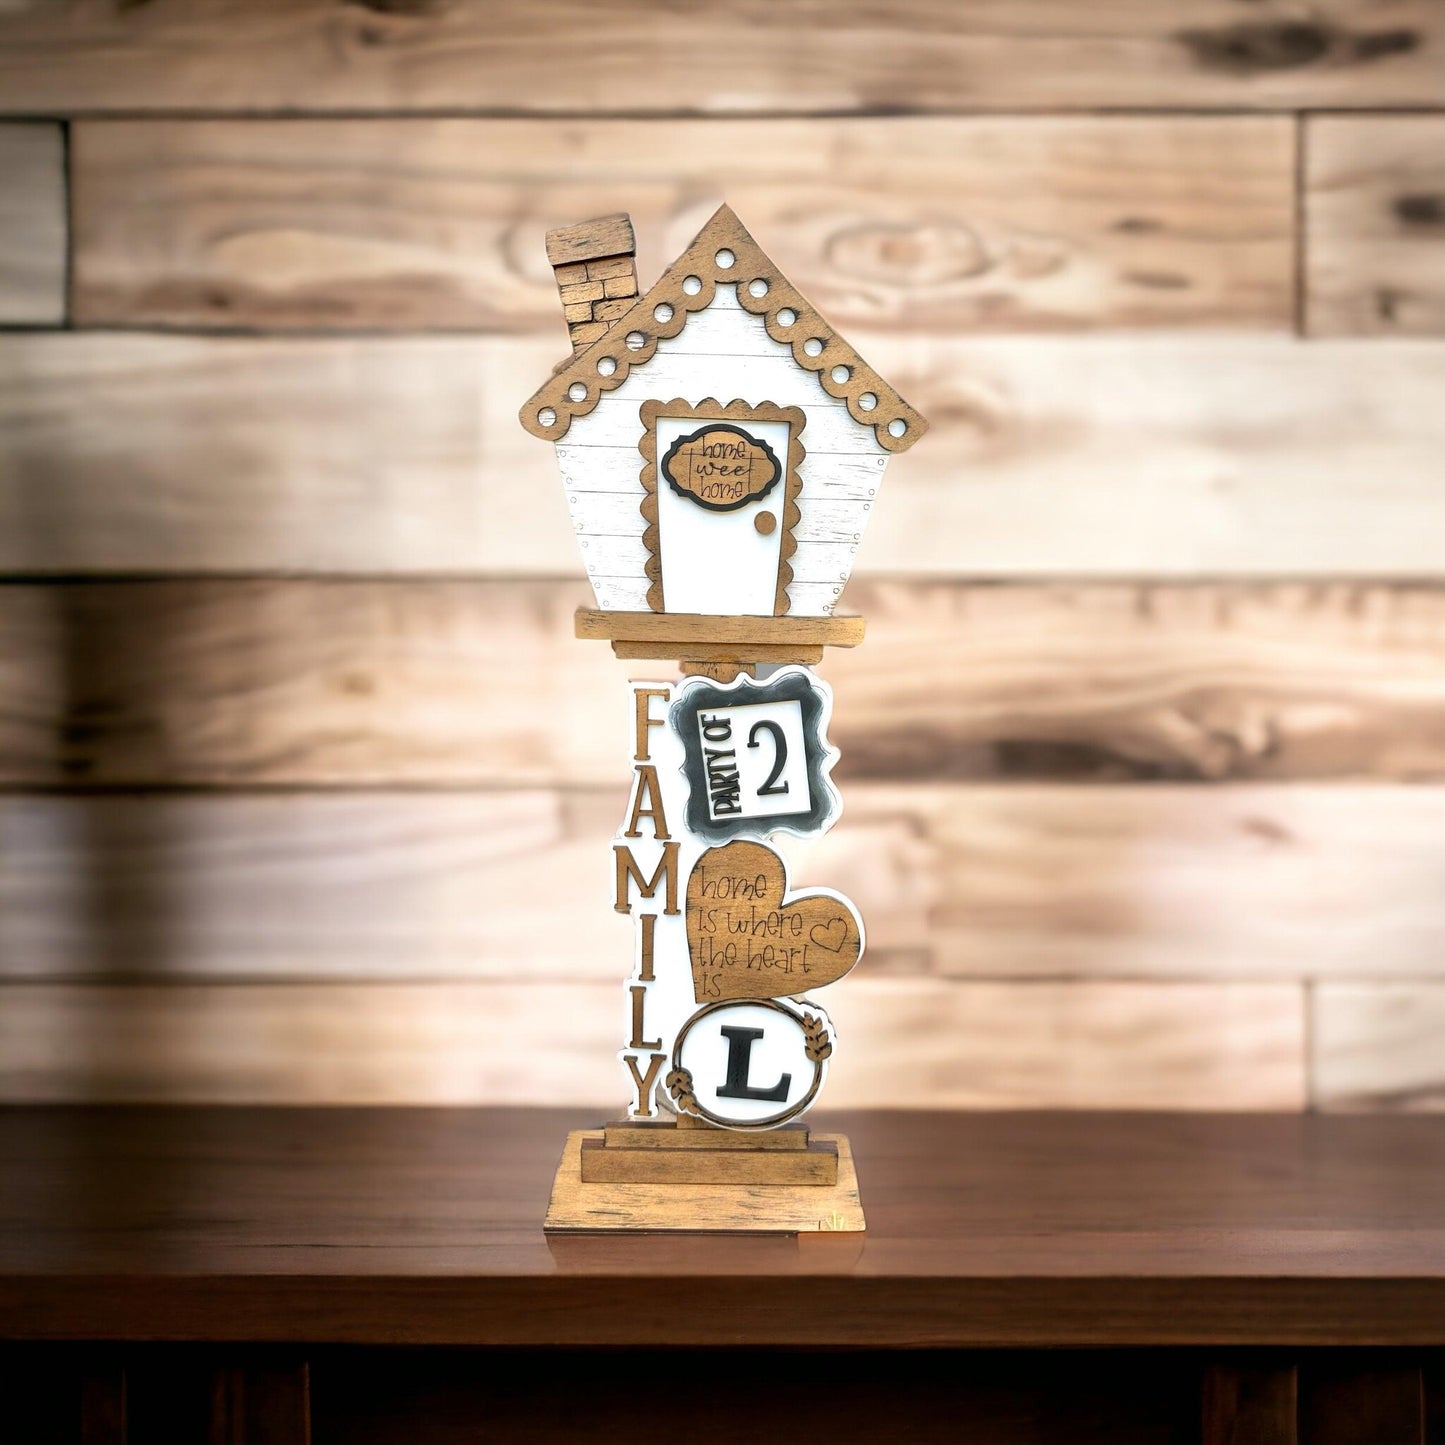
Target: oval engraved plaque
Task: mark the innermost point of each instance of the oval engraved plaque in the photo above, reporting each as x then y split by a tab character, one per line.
721	467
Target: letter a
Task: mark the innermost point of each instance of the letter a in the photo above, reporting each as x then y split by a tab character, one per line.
647	786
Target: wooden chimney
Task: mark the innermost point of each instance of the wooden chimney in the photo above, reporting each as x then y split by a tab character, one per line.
595	263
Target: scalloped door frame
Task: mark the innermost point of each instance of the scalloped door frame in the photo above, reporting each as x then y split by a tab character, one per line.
780	508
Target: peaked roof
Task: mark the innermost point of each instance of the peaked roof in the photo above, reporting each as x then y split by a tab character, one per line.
722	254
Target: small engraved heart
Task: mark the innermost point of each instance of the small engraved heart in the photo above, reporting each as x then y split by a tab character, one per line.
747	937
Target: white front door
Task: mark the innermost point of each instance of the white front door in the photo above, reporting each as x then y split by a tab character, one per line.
721	490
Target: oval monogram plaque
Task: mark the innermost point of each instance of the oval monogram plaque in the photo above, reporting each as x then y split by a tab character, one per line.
721	467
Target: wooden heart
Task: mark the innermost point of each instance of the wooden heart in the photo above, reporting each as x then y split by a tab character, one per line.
748	938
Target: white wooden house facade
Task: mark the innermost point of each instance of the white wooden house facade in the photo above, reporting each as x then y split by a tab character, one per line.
725	349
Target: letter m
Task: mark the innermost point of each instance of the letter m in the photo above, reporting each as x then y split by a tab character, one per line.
627	869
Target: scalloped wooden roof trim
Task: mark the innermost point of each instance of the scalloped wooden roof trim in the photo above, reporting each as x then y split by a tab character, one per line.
724	234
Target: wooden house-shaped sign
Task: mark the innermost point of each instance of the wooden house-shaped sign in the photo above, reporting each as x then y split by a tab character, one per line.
720	443
722	448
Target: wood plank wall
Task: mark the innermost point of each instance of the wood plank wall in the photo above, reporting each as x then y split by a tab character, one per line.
305	789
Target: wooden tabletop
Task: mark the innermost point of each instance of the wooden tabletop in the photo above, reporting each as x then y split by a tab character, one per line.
424	1226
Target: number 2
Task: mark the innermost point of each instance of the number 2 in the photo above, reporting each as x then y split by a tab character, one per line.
772	788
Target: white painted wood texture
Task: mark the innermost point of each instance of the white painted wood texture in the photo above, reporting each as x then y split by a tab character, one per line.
723	352
853	477
614	422
615	514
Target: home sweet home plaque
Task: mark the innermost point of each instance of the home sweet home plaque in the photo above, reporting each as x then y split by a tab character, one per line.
722	448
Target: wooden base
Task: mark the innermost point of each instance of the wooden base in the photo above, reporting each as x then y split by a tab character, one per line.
603	1163
703	639
697	1134
663	1179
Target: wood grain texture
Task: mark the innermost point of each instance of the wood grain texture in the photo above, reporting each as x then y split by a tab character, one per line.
373	682
1375	225
953	1044
603	1162
328	683
924	1397
1169	882
260	1405
1349	1400
770	1191
32	225
937	225
1014	1045
102	1406
421	1227
528	1042
223	56
347	885
1249	1404
164	453
1378	1045
1227	455
1104	681
1112	944
671	631
673	1134
1249	881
